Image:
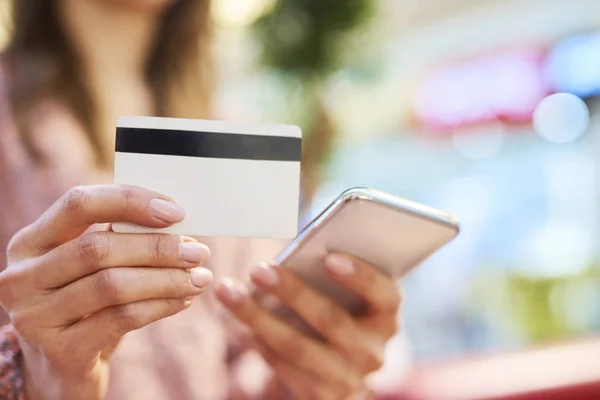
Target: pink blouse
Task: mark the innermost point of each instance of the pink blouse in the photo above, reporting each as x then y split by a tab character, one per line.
187	356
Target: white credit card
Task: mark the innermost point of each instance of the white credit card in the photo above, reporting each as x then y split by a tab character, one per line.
233	179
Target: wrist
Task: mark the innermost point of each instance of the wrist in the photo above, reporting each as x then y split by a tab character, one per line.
40	383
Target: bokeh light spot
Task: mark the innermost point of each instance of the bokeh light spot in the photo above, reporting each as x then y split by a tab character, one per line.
561	118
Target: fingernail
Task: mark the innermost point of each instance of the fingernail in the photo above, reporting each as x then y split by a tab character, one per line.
264	274
200	277
166	210
340	265
233	292
194	252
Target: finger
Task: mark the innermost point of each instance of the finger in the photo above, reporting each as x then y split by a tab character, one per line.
117	286
315	309
87	338
95	251
302	384
84	206
12	281
322	314
380	292
282	338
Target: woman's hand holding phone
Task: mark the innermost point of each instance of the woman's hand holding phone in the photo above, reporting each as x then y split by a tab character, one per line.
72	294
353	347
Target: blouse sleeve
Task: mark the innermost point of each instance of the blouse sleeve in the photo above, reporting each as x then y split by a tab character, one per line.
11	382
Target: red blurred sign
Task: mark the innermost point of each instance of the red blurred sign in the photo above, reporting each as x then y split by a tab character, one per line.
503	86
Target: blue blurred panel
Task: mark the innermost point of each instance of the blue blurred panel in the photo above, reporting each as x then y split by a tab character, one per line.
574	65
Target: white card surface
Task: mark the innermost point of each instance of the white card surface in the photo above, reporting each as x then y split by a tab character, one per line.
233	179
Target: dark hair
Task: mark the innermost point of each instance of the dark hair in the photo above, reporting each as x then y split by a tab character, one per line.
41	62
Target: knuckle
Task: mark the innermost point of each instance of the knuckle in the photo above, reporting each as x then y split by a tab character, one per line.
105	286
177	279
160	246
373	360
124	318
75	200
330	320
133	201
13	246
11	283
174	305
94	246
20	246
16	244
128	198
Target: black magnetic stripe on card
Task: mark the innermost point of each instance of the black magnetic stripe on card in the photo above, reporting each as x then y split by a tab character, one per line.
208	144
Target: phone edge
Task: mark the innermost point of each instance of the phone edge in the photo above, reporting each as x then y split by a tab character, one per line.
361	193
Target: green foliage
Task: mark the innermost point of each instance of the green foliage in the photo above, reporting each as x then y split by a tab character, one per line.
533	311
302	41
305	37
541	309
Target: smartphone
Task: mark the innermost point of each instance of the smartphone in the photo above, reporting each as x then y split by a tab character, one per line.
391	234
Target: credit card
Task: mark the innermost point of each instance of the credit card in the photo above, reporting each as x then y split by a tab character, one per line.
233	179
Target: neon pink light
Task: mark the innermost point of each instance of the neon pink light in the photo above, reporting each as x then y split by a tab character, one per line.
505	86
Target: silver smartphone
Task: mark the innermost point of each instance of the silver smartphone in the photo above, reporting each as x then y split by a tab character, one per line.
392	234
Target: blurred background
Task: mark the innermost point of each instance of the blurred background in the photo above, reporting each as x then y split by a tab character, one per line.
449	103
487	109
